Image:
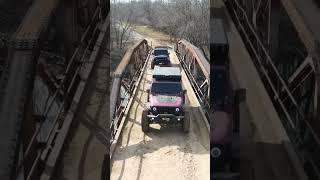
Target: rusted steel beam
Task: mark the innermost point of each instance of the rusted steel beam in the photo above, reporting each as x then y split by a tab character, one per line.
25	50
114	95
301	24
309	39
20	80
132	56
300	127
198	56
127	57
33	24
197	68
58	136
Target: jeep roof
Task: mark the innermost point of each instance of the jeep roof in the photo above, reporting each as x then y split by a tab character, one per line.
161	47
167	73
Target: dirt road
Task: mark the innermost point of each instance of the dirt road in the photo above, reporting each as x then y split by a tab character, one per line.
164	152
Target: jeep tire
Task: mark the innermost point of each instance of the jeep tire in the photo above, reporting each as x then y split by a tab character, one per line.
145	121
186	122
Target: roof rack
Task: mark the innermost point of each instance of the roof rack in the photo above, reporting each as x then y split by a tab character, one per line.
167	73
166	47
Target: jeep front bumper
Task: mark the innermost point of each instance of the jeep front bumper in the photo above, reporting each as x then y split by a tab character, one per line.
164	118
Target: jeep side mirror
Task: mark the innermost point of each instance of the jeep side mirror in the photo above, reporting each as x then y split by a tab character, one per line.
240	95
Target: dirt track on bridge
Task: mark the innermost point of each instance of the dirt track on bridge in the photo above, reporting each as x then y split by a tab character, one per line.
164	152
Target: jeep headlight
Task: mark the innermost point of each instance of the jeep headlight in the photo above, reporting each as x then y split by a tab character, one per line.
177	109
154	109
215	152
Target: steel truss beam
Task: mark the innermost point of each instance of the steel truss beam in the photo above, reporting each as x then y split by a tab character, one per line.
25	49
290	75
197	69
125	80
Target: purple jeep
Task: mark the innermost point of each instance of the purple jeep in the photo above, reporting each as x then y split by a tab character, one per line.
166	100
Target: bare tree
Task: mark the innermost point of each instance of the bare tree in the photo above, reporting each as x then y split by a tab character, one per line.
122	18
187	19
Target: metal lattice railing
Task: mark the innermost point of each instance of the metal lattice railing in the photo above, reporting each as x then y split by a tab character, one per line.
298	127
66	85
197	69
125	79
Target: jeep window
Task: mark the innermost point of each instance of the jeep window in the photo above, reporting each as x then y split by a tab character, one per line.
160	52
166	88
160	59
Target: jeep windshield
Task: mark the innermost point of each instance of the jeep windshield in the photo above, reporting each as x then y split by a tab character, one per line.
161	59
160	52
166	88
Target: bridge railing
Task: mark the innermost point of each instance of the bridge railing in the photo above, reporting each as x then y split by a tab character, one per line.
197	68
303	135
125	79
37	148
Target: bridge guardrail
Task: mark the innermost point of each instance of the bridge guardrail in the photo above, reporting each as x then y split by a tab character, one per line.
125	80
304	137
197	69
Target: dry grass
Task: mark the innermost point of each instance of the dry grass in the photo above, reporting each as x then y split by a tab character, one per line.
149	31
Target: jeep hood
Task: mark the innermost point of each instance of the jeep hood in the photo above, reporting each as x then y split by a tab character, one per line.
165	100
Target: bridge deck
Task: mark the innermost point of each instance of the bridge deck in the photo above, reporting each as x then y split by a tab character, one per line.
164	151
